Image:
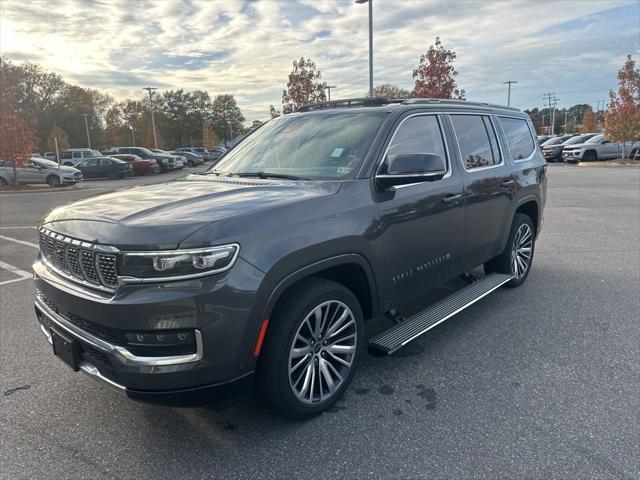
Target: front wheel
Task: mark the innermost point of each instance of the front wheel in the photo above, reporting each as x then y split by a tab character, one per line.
53	181
313	345
517	257
590	156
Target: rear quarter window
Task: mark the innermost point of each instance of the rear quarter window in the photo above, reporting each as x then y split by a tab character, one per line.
519	138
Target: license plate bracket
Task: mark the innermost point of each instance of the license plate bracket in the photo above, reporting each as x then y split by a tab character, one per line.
66	349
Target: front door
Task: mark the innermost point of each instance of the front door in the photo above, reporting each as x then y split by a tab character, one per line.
489	186
421	223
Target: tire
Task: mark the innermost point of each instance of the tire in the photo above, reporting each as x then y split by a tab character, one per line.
590	156
290	344
521	238
53	181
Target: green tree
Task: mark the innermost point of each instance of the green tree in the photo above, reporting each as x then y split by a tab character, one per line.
273	111
227	119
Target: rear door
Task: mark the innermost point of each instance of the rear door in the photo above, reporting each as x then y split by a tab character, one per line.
421	223
488	187
89	168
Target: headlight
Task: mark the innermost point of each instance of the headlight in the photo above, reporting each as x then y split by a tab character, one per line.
168	265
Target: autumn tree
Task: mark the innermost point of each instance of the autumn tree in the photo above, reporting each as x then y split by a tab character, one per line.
435	76
389	91
148	139
303	86
589	123
622	120
17	135
63	140
209	137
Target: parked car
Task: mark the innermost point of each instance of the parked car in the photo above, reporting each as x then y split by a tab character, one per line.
553	152
543	138
40	170
73	156
165	162
596	148
140	165
191	158
208	155
36	155
105	167
50	156
180	161
263	271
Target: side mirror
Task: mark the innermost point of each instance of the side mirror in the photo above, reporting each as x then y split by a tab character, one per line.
409	168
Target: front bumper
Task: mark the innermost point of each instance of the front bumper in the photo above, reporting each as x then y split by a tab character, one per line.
217	308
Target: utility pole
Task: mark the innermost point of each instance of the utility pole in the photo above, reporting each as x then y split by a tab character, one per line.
370	2
133	135
153	120
329	87
551	98
55	141
509	82
86	126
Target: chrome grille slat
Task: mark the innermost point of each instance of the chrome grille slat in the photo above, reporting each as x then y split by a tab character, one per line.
80	261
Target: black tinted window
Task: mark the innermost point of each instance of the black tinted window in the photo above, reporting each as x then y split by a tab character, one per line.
420	134
477	140
519	139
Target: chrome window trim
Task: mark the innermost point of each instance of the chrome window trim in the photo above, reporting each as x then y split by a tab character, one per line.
120	353
462	162
444	142
533	137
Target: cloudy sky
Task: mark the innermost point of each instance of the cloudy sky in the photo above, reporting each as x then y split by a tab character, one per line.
572	48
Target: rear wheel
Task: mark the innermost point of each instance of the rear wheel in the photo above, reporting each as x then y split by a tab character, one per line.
517	257
313	345
53	181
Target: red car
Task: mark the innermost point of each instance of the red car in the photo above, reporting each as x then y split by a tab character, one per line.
140	165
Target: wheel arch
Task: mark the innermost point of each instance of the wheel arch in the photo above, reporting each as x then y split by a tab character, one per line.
351	270
530	207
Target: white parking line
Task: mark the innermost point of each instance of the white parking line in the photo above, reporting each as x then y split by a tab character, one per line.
23	274
21	242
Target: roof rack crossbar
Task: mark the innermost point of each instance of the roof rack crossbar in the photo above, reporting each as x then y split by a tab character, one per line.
378	101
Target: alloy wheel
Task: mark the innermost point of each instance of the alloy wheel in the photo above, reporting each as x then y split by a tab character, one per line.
522	251
322	352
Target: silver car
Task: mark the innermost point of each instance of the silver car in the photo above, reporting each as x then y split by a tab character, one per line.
39	170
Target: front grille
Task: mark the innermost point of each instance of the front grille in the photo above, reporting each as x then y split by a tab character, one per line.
79	260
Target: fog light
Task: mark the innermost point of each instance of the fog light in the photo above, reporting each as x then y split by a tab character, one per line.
161	343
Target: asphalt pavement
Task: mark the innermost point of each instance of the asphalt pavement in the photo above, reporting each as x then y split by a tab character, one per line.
537	382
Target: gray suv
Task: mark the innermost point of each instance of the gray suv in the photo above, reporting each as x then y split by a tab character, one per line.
262	273
40	170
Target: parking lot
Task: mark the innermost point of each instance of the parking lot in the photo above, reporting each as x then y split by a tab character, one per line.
537	382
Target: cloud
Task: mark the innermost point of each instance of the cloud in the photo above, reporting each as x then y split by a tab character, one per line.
246	47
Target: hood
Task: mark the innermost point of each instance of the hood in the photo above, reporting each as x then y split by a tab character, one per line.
163	215
577	146
65	168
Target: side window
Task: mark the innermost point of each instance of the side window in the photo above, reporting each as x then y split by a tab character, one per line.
519	138
89	163
477	140
419	134
66	155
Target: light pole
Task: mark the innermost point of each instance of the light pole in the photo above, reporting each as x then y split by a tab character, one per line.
133	135
153	121
86	126
509	82
329	87
370	2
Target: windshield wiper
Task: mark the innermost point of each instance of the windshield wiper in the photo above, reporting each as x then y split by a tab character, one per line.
269	175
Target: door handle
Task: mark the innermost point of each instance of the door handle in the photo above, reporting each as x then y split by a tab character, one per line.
449	199
508	183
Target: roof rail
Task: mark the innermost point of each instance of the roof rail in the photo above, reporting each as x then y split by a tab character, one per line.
348	102
453	101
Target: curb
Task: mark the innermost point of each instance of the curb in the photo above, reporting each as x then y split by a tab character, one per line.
613	164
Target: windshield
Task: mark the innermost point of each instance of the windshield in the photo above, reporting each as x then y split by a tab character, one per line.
552	141
577	139
318	146
44	163
596	139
